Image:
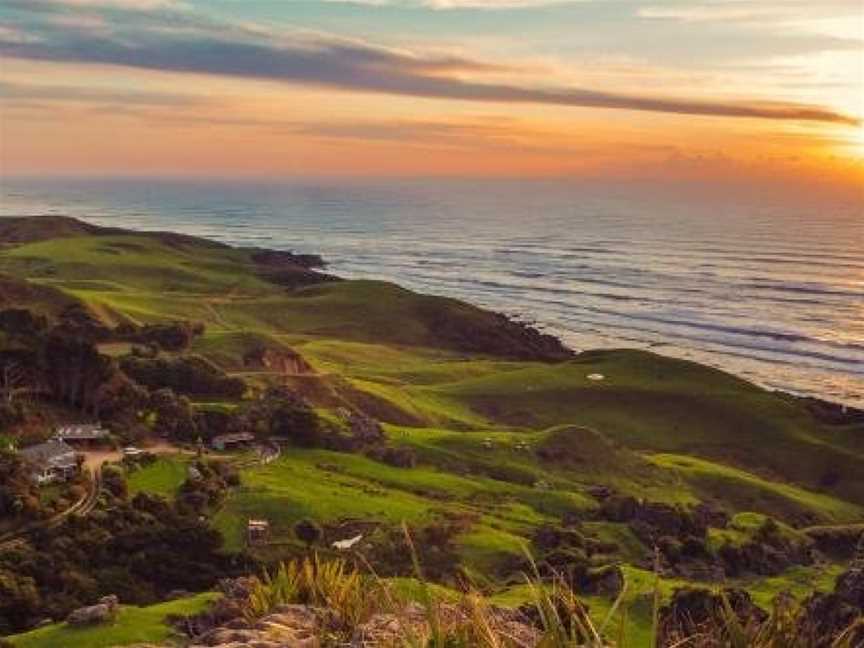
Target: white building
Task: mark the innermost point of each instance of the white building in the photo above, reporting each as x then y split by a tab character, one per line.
51	461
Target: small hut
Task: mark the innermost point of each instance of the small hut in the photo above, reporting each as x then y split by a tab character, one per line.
257	532
232	441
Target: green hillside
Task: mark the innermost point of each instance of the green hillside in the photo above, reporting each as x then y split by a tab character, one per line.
508	432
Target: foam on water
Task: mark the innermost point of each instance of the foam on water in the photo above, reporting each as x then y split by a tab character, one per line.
764	285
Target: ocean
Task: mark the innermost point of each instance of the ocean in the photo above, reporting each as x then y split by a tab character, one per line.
765	283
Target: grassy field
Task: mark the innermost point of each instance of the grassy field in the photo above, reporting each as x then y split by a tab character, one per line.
748	492
133	625
163	477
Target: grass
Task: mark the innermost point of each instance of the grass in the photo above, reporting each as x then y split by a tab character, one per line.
330	486
660	404
162	477
657	428
298	486
800	582
749	492
133	625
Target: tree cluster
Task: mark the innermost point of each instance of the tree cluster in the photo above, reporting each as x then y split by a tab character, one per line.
206	486
19	495
190	375
139	550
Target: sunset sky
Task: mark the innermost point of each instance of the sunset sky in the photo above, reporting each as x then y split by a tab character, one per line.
607	88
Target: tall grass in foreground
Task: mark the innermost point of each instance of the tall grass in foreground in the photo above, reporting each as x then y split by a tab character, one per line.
560	618
332	584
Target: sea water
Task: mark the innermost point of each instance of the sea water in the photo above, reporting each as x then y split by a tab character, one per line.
766	284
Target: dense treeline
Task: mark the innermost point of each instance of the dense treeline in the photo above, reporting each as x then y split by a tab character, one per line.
19	496
140	550
190	374
144	548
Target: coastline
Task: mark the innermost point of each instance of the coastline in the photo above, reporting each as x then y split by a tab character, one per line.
274	258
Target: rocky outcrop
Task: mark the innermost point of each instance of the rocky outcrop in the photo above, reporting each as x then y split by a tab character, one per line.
282	259
700	612
833	413
827	616
103	612
652	520
412	623
298	626
464	328
838	542
302	626
283	360
364	429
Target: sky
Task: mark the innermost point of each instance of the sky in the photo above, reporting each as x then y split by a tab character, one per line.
771	90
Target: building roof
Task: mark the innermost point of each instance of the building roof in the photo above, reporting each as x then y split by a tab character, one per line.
81	432
51	452
237	437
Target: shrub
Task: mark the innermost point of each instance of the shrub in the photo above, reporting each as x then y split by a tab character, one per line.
307	532
297	422
176	336
330	584
400	457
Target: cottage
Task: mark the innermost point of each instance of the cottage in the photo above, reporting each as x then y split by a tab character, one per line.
84	434
230	441
51	461
257	532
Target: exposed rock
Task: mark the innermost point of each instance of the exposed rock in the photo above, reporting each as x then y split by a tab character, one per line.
607	581
769	553
104	611
619	508
600	493
837	542
828	615
285	361
400	457
694	611
226	612
387	629
382	629
710	515
237	588
833	413
294	626
850	587
283	259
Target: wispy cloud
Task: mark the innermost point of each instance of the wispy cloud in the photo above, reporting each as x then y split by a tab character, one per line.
463	4
183	42
134	5
747	11
38	92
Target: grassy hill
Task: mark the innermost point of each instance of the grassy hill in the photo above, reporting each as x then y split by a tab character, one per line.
509	430
133	625
429	361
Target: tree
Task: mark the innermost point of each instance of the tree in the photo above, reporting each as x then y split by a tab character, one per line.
307	532
73	370
174	415
11	379
297	422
